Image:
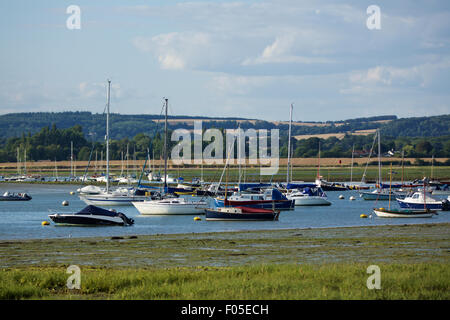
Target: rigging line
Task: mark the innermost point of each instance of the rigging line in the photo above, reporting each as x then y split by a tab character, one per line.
151	143
370	154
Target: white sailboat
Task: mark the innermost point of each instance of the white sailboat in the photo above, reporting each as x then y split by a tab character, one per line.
169	206
108	197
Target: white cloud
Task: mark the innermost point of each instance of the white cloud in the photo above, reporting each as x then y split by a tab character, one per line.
176	50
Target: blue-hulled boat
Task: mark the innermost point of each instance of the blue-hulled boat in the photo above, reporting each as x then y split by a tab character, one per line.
420	201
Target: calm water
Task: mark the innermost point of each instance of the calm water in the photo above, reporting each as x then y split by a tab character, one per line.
22	220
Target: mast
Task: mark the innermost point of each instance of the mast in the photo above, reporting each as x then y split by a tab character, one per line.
390	188
239	153
289	144
351	167
379	158
403	167
107	136
432	167
165	148
318	164
71	160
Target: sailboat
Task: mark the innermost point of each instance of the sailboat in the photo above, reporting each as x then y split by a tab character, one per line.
399	213
380	193
108	197
326	185
227	211
173	205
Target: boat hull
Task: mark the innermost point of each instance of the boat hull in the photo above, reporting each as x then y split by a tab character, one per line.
15	198
216	215
376	196
310	201
101	200
419	205
87	220
258	204
403	213
154	208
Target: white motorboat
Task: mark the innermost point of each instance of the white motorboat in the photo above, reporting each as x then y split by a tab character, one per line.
90	189
170	206
308	197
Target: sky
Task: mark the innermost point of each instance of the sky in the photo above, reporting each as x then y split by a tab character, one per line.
248	59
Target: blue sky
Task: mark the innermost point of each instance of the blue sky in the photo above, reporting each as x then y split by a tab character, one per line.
227	58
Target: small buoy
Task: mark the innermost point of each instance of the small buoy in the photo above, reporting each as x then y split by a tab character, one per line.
352	198
72	193
363	216
45	223
197	218
341	196
65	203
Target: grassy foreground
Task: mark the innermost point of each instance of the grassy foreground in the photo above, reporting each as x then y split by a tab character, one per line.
328	281
266	264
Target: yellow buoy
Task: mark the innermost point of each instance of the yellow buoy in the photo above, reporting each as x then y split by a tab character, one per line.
72	193
45	223
363	216
197	218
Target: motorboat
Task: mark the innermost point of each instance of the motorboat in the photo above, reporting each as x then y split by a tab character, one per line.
119	197
380	194
92	216
8	196
241	214
90	189
270	199
308	196
330	186
420	201
404	213
170	206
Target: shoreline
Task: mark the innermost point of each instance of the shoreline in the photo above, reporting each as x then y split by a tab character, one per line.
407	243
213	232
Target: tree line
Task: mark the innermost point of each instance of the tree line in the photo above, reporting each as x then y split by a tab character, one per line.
52	143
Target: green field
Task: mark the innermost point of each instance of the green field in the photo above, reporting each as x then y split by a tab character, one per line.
339	174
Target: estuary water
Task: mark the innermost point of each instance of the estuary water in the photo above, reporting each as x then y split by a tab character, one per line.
22	219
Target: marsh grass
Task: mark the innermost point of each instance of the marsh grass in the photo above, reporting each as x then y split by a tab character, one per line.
289	281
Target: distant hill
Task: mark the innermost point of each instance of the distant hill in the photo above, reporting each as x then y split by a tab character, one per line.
128	126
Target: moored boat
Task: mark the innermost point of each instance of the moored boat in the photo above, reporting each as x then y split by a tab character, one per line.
270	199
241	214
170	206
92	216
380	194
8	196
420	201
396	213
308	195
